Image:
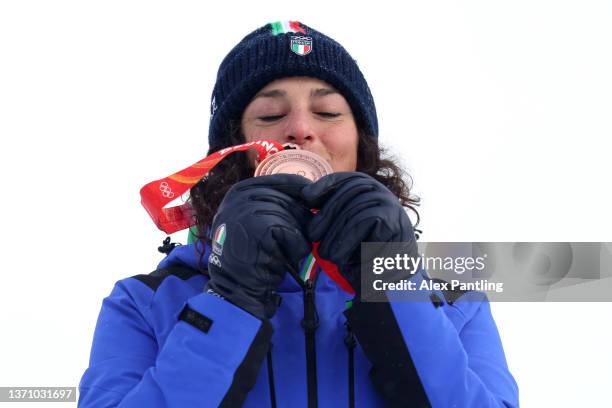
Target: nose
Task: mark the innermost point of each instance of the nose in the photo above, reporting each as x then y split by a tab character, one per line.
300	128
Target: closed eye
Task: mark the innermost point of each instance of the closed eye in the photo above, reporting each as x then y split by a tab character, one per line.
328	114
270	118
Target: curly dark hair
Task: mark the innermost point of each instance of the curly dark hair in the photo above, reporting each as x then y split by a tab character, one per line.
206	195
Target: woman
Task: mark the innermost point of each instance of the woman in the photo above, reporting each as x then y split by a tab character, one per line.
241	320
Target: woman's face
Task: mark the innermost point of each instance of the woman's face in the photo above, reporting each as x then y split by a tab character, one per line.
307	112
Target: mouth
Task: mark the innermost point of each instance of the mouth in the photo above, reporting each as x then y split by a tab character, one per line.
291	146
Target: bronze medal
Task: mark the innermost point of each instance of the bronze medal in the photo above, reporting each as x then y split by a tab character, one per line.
294	161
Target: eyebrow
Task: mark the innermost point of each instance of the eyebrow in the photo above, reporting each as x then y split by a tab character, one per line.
274	93
279	93
322	92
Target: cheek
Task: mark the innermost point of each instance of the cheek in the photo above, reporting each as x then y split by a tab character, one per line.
342	147
254	133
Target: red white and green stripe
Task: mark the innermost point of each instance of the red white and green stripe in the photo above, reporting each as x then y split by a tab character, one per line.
283	27
309	268
219	237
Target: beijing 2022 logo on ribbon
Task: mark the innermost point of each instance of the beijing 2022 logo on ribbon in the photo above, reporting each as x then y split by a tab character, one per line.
301	45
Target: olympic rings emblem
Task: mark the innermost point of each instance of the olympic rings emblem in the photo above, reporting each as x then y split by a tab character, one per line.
166	190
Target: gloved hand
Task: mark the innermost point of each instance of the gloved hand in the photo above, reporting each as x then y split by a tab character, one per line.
355	208
257	237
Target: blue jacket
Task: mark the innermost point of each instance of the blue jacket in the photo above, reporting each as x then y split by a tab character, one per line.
161	342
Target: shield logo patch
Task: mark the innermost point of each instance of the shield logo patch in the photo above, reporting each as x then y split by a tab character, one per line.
301	45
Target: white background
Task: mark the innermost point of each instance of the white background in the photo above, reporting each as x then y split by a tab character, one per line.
501	112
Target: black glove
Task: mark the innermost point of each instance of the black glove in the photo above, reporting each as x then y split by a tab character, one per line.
257	237
355	208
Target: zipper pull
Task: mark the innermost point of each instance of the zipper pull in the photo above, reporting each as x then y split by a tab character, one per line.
310	322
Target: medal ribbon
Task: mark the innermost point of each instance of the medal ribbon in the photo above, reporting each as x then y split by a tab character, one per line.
157	194
314	261
331	270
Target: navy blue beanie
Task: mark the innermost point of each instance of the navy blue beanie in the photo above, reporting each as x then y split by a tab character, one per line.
279	50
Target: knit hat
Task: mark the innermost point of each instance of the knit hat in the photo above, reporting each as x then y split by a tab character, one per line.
280	50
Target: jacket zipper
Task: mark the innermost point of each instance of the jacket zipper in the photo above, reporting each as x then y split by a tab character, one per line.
350	343
310	323
271	379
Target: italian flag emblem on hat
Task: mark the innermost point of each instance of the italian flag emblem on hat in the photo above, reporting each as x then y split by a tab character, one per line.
283	27
301	45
